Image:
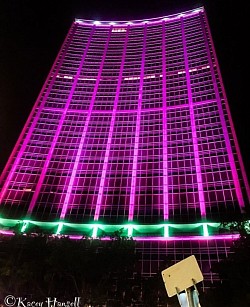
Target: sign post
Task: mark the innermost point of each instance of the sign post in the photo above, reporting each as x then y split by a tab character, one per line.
181	278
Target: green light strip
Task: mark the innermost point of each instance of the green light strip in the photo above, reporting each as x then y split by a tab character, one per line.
96	230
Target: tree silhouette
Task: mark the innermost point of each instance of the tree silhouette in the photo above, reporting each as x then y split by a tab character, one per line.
234	271
41	266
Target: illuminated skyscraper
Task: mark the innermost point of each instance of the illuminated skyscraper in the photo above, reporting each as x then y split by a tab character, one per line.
132	130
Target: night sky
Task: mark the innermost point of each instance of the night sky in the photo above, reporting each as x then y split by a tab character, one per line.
31	34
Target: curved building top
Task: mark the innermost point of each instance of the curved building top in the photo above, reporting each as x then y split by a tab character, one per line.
141	21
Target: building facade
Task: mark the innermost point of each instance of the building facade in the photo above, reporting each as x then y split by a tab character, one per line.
132	130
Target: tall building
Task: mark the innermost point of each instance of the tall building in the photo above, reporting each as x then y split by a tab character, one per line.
132	130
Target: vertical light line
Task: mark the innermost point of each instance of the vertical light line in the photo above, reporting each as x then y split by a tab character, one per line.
59	228
223	122
78	155
58	130
111	129
137	133
205	230
24	226
166	231
164	126
53	73
95	231
193	127
130	230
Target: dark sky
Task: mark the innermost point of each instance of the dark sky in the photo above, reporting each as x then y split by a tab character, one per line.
31	33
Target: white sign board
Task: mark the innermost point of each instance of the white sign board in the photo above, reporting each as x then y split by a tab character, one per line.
181	275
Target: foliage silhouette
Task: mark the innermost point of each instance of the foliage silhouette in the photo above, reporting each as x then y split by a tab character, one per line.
234	271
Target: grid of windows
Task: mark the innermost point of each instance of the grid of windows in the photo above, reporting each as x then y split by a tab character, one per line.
101	113
157	256
132	125
183	188
101	143
176	84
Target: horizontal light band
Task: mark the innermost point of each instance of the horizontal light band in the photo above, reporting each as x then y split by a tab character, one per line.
162	231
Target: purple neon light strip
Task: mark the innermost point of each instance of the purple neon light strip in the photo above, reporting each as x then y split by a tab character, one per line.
165	239
164	125
111	129
222	119
72	178
7	232
155	239
77	157
58	131
193	127
53	73
189	238
137	133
